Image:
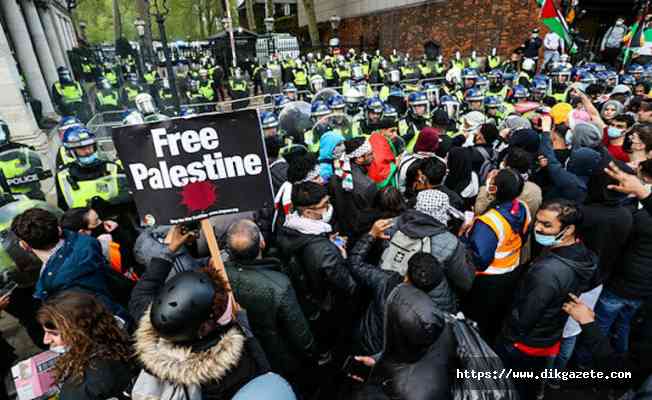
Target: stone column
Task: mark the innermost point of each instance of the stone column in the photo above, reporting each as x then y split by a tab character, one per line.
13	108
40	42
25	53
53	38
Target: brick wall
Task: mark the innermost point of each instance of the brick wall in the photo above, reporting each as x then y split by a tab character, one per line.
463	25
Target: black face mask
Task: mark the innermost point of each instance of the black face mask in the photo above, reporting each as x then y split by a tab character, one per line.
98	231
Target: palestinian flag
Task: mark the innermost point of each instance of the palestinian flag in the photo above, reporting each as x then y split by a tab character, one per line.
555	22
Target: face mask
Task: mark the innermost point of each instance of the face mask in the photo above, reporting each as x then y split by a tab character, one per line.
548	240
614	132
88	160
59	349
326	217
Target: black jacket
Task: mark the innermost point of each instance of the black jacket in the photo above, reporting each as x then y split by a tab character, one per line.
536	318
633	280
605	230
349	205
103	379
274	312
223	362
418	348
279	172
379	283
445	247
317	270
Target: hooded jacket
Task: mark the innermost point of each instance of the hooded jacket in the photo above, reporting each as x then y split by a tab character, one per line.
417	351
349	205
444	246
276	317
317	269
633	280
380	283
220	365
536	318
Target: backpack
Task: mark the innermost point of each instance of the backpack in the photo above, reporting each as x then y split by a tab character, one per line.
401	248
474	354
489	164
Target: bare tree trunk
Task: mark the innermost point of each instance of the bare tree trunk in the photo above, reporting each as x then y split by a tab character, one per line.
269	8
117	20
235	17
218	7
142	8
251	18
309	7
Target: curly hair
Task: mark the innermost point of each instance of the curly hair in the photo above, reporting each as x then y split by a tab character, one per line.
88	328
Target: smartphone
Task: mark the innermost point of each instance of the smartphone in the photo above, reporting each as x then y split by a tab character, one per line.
339	242
8	289
188	227
353	367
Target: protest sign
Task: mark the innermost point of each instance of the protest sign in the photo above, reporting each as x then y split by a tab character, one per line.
184	170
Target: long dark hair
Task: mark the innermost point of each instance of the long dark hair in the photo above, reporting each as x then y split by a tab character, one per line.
88	328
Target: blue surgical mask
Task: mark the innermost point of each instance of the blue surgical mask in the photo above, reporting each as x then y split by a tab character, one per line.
88	160
614	133
548	240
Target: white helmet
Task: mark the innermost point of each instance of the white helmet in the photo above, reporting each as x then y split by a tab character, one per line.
528	65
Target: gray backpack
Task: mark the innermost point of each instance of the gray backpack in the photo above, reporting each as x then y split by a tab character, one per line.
401	248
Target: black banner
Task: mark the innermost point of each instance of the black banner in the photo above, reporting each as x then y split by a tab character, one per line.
184	170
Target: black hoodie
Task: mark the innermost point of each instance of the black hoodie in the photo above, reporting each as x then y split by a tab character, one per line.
418	348
537	319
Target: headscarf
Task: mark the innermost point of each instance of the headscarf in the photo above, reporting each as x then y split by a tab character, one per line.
618	105
435	204
460	171
515	123
343	164
328	152
428	140
526	139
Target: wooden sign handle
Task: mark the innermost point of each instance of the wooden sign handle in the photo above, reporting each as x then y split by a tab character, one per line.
216	256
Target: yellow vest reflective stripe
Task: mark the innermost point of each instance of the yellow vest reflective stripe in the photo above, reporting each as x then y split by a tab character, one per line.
150	78
164	95
384	93
459	64
106	187
207	91
508	250
238	86
111	77
66	158
71	93
87	68
329	73
17	167
300	78
344	73
312	143
494	62
131	93
365	69
110	99
425	70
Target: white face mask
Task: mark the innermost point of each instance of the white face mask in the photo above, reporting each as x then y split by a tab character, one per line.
328	215
59	349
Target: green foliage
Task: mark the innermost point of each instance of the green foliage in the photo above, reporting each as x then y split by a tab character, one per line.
188	19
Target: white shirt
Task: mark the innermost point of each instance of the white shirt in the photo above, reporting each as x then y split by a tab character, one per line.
553	42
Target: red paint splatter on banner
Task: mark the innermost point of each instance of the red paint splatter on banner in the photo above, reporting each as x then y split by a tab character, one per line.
199	196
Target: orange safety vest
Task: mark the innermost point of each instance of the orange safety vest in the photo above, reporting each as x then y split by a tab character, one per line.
508	251
115	261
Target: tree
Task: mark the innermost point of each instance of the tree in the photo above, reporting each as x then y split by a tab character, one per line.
251	18
235	17
117	20
309	7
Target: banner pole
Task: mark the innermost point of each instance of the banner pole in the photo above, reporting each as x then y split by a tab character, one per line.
214	249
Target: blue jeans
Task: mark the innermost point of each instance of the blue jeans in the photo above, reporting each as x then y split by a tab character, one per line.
614	314
565	352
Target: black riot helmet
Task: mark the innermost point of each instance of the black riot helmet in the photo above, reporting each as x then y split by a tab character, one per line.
184	303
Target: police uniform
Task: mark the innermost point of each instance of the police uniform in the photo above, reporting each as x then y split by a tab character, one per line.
129	93
69	98
17	160
77	185
107	100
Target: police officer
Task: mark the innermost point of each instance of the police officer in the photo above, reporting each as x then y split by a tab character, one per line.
329	72
374	109
106	98
497	86
318	109
68	95
354	99
417	118
238	89
560	81
290	91
425	71
130	90
164	95
206	87
110	75
17	160
150	76
89	176
147	108
300	76
474	100
269	123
